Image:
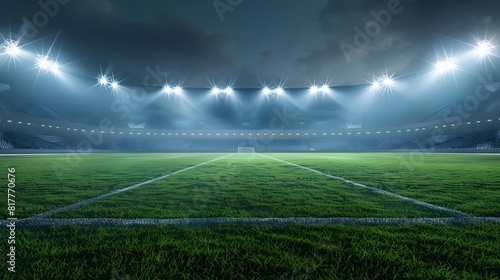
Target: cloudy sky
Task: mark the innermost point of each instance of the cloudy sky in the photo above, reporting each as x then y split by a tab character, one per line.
250	42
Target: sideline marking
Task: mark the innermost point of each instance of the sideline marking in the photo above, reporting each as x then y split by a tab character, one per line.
454	213
113	222
90	200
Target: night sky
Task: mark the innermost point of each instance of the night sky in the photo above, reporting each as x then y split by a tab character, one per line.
247	43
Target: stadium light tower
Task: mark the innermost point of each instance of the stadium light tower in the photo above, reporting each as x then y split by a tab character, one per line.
483	48
447	65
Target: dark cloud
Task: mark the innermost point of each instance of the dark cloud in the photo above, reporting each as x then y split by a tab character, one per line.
256	40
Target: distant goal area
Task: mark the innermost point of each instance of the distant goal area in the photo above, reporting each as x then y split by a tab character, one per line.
242	150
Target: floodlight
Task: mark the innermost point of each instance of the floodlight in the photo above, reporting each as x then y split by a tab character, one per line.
43	63
167	89
313	89
446	65
177	90
279	90
325	88
228	90
376	85
483	48
11	47
103	80
266	90
54	67
387	81
114	85
215	90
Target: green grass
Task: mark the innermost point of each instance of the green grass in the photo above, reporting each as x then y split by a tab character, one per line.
249	186
471	251
253	186
467	183
49	182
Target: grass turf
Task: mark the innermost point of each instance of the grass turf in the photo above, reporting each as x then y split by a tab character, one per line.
462	182
469	251
249	186
48	182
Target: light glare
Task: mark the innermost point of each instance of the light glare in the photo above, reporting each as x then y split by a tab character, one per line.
11	47
177	90
387	81
43	63
446	65
103	80
483	48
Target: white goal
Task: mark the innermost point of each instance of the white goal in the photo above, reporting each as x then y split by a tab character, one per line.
246	150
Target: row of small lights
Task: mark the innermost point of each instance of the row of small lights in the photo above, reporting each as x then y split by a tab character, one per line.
12	48
251	134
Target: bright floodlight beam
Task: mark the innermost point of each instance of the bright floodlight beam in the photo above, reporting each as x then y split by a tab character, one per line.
266	90
11	48
376	85
447	65
43	63
167	89
54	67
325	88
177	90
114	85
483	48
279	90
228	90
314	89
387	81
215	90
103	80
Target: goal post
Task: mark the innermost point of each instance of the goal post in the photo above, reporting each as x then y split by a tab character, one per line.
242	150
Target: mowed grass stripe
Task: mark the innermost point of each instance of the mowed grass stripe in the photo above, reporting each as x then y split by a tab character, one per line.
46	182
251	187
421	203
468	183
88	201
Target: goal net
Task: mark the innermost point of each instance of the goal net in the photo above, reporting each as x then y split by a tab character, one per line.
246	150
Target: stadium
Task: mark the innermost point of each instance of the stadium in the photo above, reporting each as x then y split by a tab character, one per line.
327	140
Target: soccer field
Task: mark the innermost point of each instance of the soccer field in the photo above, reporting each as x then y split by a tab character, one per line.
302	216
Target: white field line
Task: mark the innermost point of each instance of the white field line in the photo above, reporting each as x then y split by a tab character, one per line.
88	201
113	222
418	202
